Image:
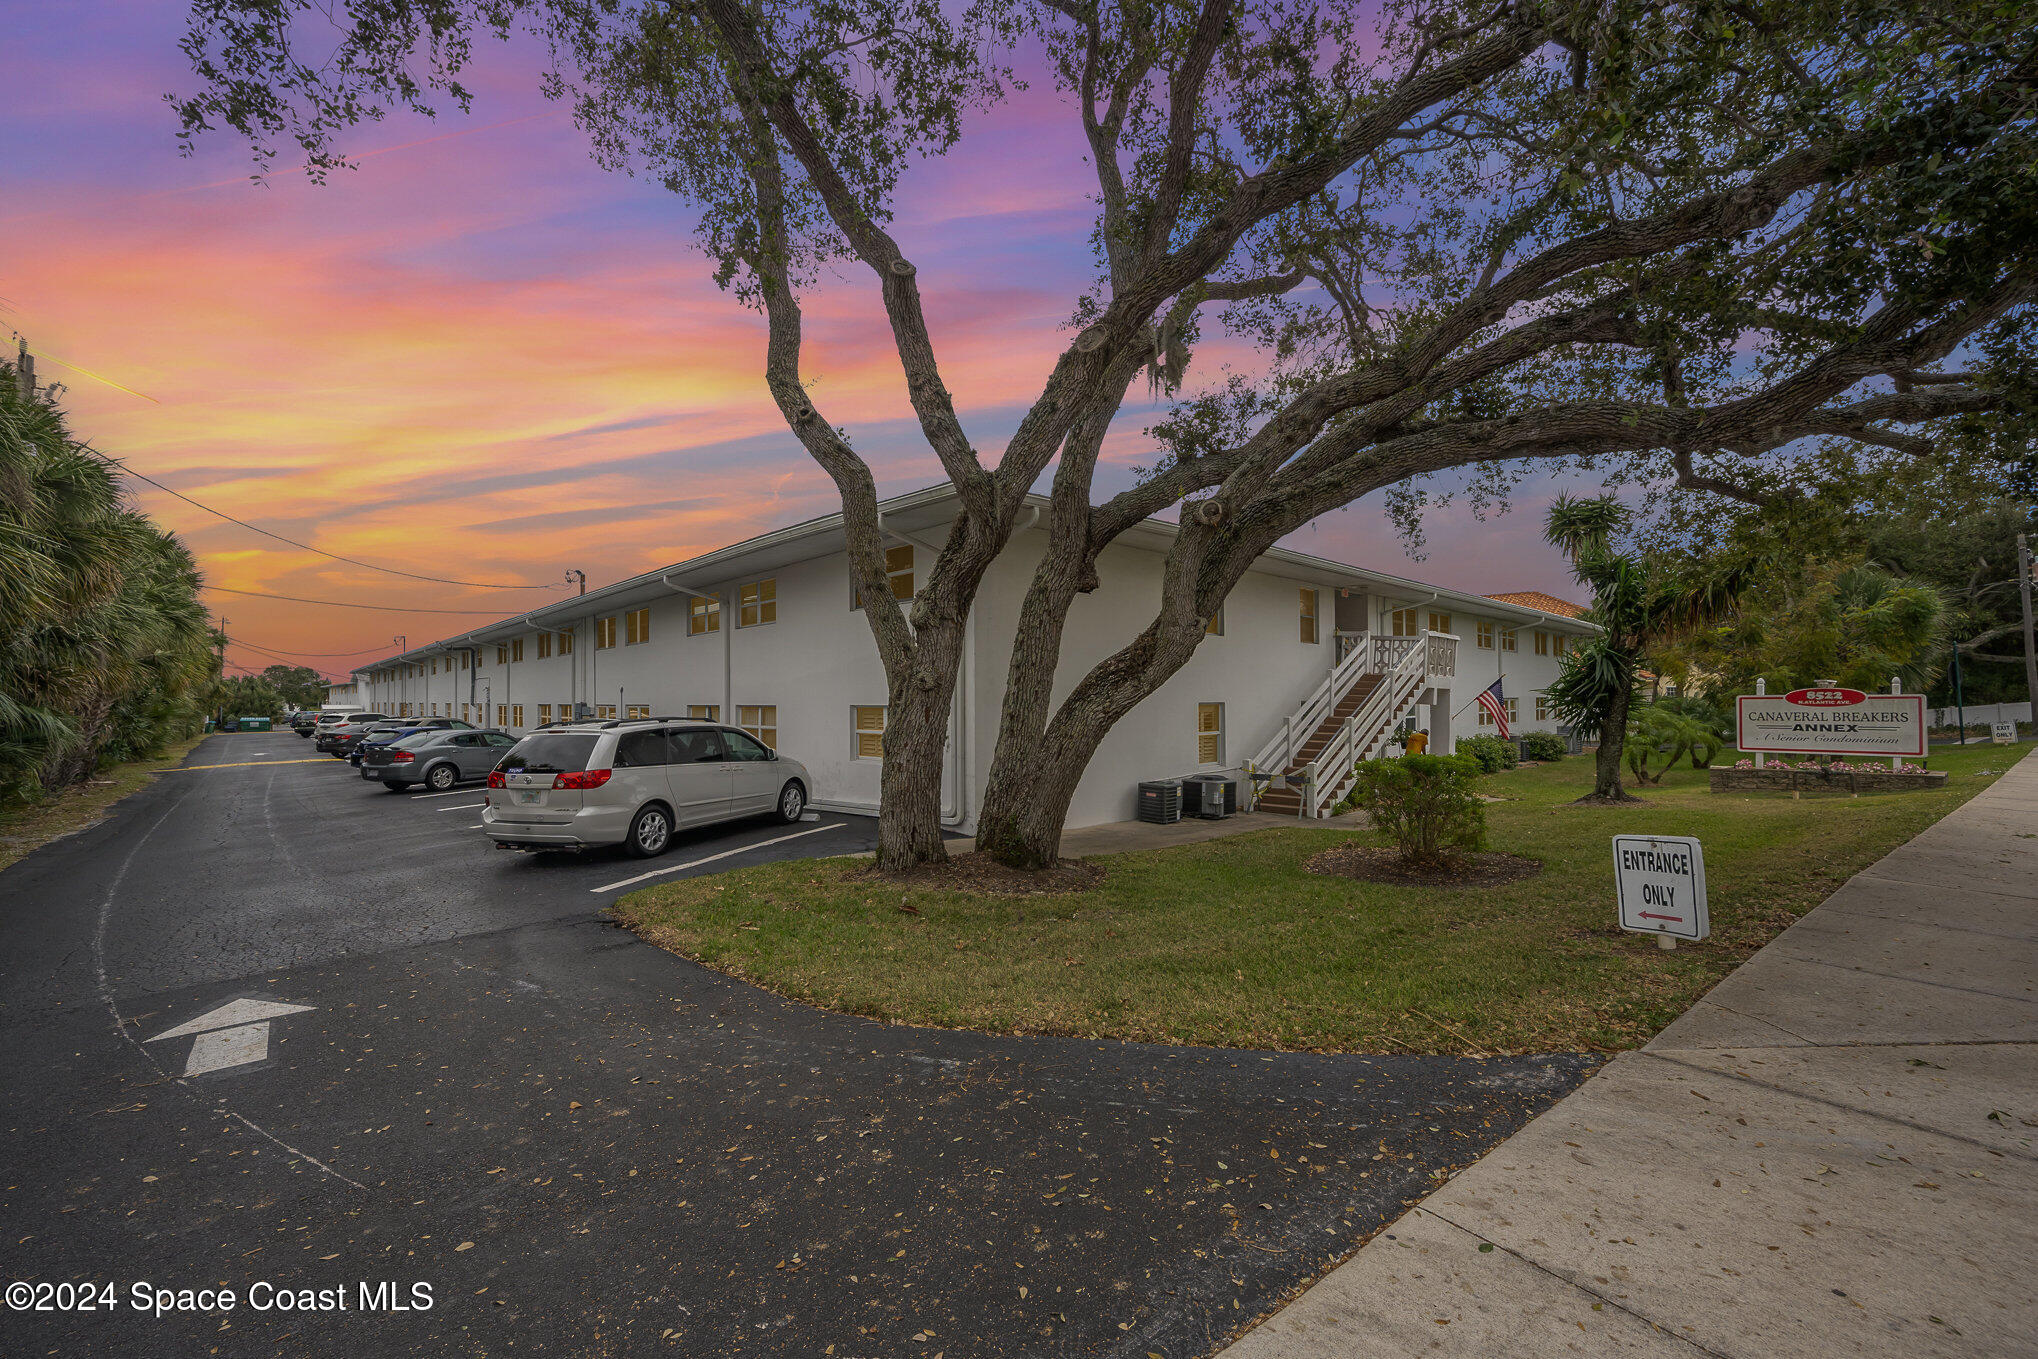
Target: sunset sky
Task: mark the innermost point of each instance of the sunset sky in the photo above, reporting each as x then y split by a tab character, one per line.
479	356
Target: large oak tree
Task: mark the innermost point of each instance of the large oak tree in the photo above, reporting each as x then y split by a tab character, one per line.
1669	240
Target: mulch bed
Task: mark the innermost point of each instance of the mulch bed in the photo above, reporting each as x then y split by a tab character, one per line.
1363	863
981	873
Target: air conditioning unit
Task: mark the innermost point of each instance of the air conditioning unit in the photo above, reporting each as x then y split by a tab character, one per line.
1211	796
1161	801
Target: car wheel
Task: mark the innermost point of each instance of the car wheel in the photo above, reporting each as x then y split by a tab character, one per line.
442	777
650	833
792	801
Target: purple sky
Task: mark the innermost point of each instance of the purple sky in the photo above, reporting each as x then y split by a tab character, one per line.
481	357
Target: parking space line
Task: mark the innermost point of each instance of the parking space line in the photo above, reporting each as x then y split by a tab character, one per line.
460	807
457	792
242	764
696	863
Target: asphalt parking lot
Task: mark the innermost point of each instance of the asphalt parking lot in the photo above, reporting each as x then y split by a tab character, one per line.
465	1078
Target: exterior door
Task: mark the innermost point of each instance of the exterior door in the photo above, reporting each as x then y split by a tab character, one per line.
699	776
752	774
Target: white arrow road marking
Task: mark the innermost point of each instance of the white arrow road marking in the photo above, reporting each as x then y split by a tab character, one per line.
695	863
234	1034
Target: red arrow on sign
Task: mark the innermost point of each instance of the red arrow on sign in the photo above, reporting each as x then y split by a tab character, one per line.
1649	915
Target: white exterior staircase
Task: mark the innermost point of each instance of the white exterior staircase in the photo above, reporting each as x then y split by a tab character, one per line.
1376	682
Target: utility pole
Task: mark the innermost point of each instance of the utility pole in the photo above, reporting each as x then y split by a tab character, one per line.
571	575
24	369
2030	640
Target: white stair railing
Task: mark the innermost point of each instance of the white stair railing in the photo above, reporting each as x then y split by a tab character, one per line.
1363	735
1279	751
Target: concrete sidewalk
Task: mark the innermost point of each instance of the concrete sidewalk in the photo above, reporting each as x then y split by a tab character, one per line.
1834	1153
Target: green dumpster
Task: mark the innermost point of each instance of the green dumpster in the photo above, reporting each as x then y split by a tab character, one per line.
255	724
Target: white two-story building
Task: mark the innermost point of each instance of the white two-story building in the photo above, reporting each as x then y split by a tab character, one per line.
1311	665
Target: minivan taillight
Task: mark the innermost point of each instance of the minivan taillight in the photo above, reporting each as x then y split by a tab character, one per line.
583	779
496	779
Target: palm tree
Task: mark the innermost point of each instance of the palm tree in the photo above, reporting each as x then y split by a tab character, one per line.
1636	607
103	640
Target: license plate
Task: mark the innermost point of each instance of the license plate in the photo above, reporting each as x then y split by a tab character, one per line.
528	797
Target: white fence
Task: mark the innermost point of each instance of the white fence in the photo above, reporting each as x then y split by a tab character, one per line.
1979	714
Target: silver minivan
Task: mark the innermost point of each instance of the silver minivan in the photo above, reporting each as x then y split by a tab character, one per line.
633	783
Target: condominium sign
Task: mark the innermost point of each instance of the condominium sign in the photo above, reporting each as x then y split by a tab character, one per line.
1831	722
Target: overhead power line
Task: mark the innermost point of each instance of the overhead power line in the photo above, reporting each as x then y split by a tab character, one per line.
315	655
345	604
307	547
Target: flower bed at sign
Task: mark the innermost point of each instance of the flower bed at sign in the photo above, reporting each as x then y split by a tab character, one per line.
1853	777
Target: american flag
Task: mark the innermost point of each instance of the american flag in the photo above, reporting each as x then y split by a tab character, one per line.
1490	699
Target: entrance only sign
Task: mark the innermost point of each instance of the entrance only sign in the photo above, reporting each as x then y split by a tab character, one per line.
1660	880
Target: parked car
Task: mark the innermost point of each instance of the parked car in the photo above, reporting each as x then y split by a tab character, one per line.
338	738
439	758
390	732
328	715
633	783
329	722
303	720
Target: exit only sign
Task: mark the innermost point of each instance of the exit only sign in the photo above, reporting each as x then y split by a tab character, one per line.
1661	884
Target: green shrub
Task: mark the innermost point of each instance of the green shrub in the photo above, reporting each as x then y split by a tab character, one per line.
1492	753
1425	802
1543	745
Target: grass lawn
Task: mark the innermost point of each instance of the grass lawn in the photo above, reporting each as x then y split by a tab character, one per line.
1230	943
27	826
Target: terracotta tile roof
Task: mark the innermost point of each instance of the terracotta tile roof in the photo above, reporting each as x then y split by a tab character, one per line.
1536	599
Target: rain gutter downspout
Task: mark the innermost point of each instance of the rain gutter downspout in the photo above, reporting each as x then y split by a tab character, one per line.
726	625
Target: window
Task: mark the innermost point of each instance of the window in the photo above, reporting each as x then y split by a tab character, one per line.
758	604
435	665
703	615
1561	643
516	714
695	746
502	714
742	748
898	571
466	715
1542	708
566	712
1485	635
1215	627
516	648
760	720
1507	639
637	626
1542	642
1309	616
1513	712
643	749
502	653
869	724
1485	716
544	645
1404	623
605	712
604	633
544	713
704	712
566	644
638	710
1439	622
1209	733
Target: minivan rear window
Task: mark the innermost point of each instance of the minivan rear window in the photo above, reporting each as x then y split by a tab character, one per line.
557	753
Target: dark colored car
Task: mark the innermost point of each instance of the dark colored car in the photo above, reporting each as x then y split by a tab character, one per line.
439	759
303	720
389	733
339	738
